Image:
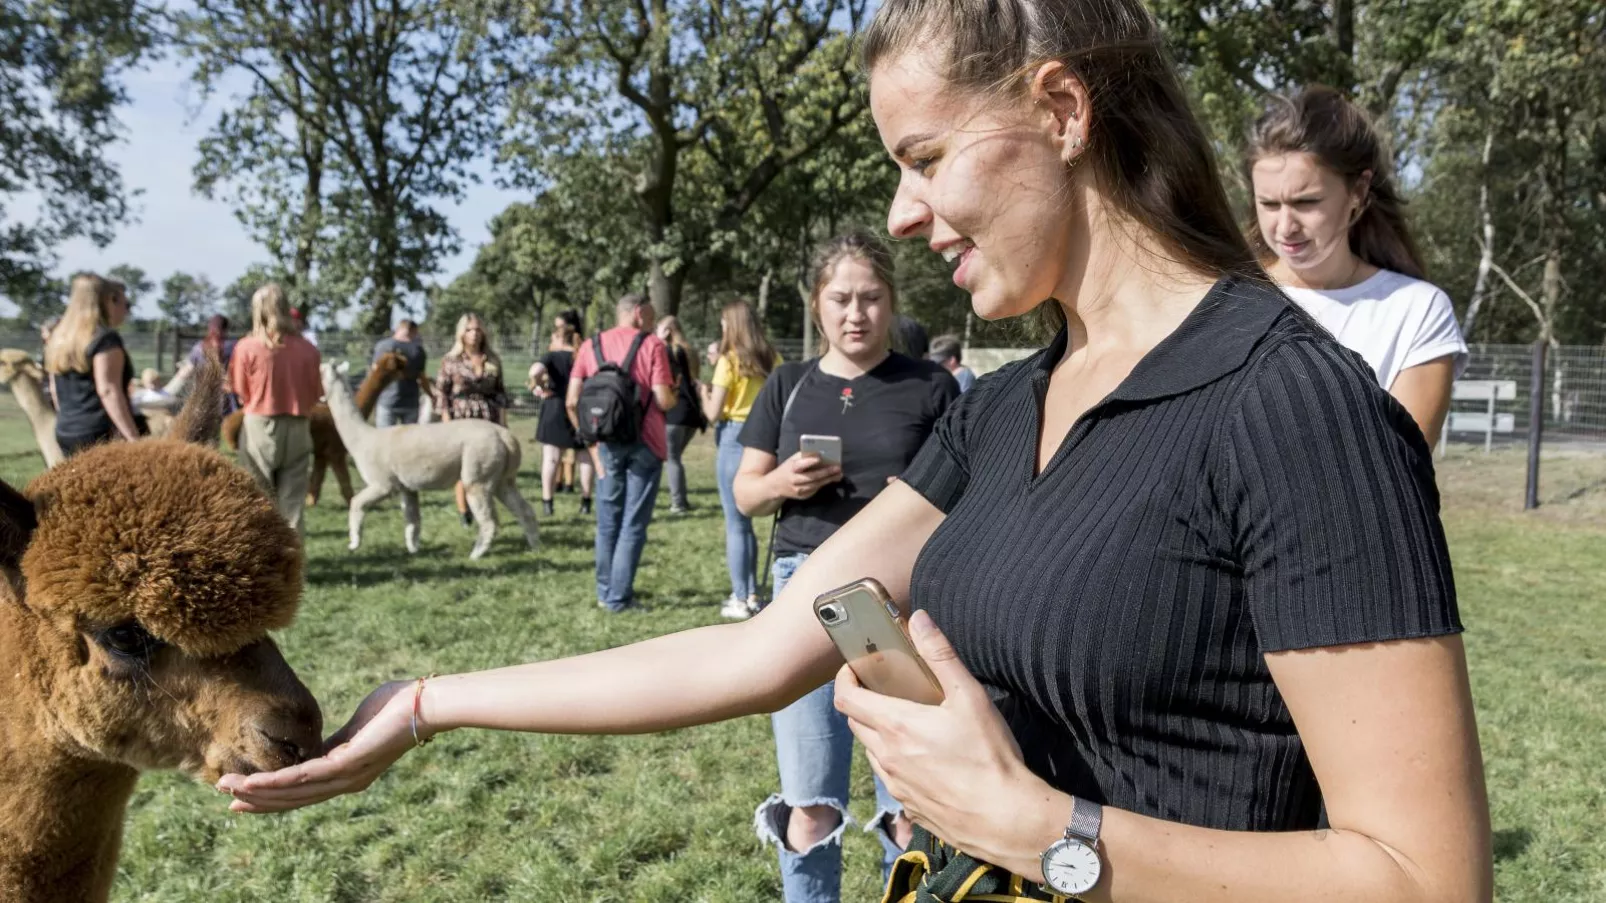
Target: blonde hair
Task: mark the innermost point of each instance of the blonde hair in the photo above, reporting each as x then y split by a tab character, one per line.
464	323
270	315
744	340
88	306
677	339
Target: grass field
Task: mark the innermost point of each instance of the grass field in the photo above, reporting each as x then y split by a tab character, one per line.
481	816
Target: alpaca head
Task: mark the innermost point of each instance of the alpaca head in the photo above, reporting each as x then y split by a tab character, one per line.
334	378
390	364
15	362
141	580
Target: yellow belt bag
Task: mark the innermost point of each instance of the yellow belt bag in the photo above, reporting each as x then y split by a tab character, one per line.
931	871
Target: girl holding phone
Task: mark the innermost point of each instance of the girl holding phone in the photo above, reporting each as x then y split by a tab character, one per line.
880	407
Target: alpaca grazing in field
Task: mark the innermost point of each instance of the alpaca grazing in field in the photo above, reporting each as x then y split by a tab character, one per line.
328	452
138	581
26	379
405	459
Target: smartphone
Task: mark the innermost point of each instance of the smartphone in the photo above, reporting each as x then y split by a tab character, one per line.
829	448
864	623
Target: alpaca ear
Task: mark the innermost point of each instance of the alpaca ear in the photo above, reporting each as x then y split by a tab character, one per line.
343	368
202	415
18	520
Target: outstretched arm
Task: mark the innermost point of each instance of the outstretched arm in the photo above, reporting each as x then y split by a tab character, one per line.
693	677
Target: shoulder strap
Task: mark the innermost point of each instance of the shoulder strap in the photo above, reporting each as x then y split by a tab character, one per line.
630	357
792	395
596	349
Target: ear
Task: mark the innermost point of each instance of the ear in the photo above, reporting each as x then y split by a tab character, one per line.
18	520
202	416
1061	98
343	368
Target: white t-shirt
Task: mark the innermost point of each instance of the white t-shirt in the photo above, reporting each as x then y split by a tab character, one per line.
1394	321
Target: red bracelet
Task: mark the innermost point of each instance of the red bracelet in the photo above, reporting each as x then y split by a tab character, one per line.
418	699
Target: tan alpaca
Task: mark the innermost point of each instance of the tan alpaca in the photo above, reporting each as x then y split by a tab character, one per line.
26	378
138	581
405	459
327	449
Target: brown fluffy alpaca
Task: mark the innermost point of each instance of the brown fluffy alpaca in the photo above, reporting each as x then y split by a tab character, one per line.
138	581
327	449
24	376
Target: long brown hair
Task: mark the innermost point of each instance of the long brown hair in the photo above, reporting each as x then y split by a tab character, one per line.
88	310
1323	123
743	338
858	245
1148	153
677	339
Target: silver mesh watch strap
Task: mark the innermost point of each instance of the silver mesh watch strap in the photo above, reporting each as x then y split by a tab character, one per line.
1086	819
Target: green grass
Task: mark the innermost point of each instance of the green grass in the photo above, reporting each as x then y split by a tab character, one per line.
484	816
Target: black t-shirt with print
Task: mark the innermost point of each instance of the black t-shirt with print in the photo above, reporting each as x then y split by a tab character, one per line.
882	417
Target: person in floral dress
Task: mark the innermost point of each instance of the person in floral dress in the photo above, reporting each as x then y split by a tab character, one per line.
469	385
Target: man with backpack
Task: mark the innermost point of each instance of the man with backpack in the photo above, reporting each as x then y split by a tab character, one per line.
618	392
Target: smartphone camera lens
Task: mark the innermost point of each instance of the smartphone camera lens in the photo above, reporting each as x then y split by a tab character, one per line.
832	614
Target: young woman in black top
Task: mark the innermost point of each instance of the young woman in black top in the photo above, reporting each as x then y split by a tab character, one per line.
1186	561
685	419
549	381
882	406
89	368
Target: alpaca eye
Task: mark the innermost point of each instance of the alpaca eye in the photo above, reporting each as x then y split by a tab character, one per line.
130	640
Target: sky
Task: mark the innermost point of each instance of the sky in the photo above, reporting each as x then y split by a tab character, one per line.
175	229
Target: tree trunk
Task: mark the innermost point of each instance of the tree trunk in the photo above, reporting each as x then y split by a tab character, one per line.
764	293
1480	285
1344	27
664	288
808	323
382	301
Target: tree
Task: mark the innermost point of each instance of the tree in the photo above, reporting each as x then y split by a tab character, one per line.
186	299
400	93
60	69
756	85
134	282
235	299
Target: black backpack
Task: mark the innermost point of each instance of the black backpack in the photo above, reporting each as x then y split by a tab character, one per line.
609	410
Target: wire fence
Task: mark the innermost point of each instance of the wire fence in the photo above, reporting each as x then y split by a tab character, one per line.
1573	394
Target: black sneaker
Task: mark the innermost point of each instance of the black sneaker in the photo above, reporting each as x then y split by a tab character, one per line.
546	507
585	505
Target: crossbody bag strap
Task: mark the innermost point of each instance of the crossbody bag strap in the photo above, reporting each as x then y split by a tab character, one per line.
765	577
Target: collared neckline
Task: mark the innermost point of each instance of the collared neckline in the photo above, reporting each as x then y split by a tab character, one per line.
1214	340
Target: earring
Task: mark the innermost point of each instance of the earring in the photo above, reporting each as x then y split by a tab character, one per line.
1076	143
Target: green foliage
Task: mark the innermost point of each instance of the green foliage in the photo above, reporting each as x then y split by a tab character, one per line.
361	118
60	70
186	299
134	282
235	300
699	107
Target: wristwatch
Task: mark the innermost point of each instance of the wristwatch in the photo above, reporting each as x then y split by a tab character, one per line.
1071	865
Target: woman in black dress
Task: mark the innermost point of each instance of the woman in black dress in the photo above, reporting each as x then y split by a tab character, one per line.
549	381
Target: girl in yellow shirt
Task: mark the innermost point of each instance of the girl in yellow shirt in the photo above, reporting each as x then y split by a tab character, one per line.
746	358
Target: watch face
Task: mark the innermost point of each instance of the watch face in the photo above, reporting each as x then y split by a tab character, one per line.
1071	867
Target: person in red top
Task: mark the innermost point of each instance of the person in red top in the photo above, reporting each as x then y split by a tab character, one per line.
629	484
274	372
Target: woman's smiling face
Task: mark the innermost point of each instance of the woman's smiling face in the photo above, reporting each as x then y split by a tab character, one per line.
984	181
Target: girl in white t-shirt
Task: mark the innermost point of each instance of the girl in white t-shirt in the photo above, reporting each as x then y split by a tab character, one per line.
1332	233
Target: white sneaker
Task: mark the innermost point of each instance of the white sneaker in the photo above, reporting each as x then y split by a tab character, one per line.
735	610
754	605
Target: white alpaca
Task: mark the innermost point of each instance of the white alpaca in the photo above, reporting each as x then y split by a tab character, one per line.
405	459
26	379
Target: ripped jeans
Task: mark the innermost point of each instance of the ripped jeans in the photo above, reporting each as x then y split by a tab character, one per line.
814	748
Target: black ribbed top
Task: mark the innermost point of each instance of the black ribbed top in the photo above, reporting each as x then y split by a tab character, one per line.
1248	488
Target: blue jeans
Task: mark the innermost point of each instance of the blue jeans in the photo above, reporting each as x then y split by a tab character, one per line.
814	749
625	496
388	416
741	545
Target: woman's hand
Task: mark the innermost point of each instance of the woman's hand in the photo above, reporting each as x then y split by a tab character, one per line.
379	733
955	767
801	476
